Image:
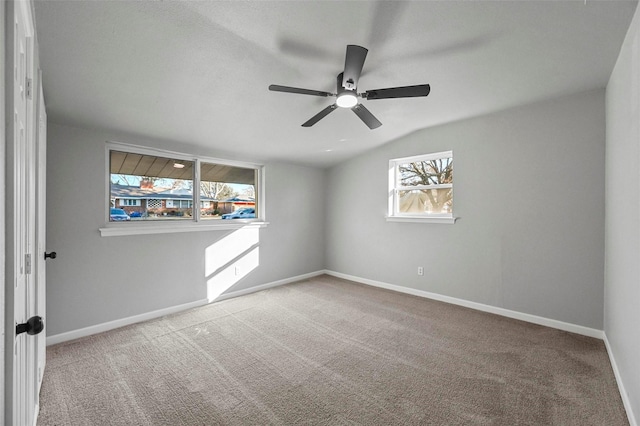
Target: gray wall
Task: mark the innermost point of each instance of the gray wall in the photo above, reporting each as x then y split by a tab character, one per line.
98	279
529	191
622	273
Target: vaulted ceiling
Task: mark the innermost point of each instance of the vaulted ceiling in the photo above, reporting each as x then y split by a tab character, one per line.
197	72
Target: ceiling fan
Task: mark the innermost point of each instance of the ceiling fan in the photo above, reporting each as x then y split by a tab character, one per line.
346	90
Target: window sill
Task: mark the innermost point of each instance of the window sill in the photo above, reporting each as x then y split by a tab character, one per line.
157	228
421	219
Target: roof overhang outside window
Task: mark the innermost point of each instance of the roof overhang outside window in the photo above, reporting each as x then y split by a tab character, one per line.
126	163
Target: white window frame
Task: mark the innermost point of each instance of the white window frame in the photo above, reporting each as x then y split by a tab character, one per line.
196	223
128	201
393	213
173	203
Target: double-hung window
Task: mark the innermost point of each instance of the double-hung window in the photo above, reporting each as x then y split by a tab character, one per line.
161	189
421	188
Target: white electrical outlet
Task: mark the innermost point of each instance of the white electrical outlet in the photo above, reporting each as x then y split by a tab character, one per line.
420	270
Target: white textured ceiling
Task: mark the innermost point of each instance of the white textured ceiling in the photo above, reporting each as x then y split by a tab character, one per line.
198	72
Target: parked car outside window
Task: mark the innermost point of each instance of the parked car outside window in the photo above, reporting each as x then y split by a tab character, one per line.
243	213
117	215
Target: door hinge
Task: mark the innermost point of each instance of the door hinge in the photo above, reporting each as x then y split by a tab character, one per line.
29	86
27	263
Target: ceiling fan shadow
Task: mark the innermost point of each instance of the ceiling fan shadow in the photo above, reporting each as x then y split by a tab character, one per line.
450	49
379	65
304	50
386	16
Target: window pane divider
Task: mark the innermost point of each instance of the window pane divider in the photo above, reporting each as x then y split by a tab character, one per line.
196	209
421	187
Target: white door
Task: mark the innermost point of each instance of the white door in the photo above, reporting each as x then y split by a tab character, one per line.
24	224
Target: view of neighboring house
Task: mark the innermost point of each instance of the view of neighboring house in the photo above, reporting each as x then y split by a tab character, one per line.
147	200
235	203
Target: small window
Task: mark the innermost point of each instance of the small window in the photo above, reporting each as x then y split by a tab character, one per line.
421	187
129	202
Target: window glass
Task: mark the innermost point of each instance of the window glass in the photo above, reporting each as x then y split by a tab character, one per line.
425	201
149	187
226	190
426	172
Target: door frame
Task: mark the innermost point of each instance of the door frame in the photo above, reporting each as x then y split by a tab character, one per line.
2	203
9	229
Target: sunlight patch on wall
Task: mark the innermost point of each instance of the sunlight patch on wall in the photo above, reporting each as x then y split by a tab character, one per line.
230	259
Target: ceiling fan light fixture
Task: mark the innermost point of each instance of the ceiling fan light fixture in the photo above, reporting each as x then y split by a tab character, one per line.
347	99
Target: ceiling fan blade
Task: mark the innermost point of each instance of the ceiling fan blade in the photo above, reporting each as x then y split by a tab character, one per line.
353	63
398	92
287	89
366	116
319	116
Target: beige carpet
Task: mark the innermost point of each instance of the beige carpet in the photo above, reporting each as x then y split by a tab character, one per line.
330	352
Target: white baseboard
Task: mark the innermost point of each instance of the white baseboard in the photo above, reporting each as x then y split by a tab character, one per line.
110	325
623	393
573	328
99	328
233	294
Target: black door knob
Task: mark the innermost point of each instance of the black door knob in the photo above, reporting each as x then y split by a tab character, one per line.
34	325
51	255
